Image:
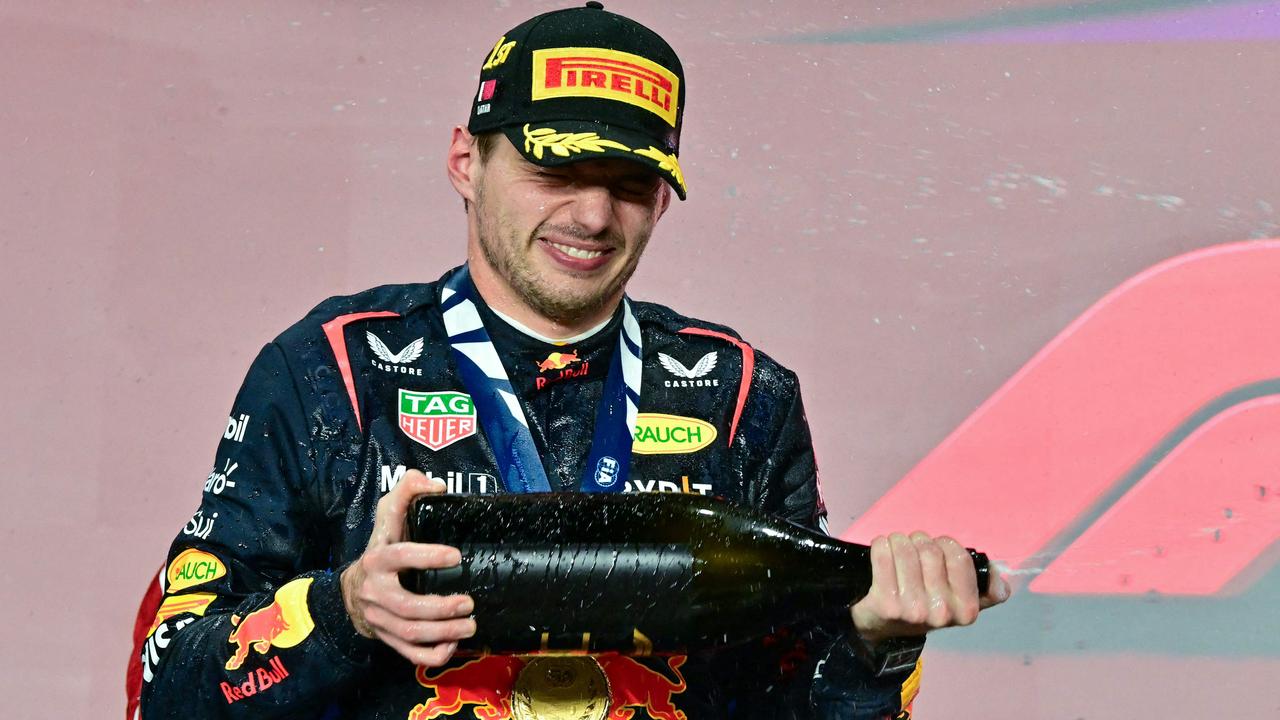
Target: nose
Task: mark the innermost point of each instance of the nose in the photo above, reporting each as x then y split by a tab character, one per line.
593	208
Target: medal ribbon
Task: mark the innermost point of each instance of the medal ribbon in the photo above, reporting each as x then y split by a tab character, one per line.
503	420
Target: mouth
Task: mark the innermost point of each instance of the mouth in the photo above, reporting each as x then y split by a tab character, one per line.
579	253
574	256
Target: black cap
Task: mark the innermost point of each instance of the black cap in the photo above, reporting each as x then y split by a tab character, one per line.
585	83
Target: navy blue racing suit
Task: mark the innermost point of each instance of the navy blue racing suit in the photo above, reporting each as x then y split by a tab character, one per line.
252	622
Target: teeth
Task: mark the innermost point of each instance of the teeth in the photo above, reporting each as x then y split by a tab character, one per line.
576	253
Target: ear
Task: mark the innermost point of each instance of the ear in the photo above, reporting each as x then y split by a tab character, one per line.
463	163
664	202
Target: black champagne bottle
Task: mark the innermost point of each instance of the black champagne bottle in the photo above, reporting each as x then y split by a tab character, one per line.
638	573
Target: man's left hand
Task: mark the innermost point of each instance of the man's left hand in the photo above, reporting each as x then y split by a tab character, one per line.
920	584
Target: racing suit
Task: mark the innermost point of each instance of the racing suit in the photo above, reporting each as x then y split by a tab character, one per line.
252	622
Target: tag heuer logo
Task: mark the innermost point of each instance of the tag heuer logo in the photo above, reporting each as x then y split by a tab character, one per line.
437	419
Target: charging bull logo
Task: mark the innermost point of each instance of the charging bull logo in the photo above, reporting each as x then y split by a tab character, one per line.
558	361
500	687
283	624
485	683
634	685
568	365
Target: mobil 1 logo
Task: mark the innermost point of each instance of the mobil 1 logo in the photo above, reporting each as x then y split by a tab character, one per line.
456	482
235	428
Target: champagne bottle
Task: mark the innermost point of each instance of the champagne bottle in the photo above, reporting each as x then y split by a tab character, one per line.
637	573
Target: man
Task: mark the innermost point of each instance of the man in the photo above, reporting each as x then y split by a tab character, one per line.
525	370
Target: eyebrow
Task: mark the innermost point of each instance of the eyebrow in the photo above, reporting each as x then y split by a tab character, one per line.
638	175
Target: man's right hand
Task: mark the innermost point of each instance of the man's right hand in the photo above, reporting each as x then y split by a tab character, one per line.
425	629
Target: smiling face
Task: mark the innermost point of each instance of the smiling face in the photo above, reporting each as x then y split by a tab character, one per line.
555	243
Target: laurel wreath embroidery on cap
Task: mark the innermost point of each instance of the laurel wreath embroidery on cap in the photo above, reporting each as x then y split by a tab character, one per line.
565	144
568	144
665	162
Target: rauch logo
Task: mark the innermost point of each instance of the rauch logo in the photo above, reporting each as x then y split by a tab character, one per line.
193	567
659	434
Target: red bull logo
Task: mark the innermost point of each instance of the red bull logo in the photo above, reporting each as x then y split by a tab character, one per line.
568	365
485	683
500	687
258	680
633	685
558	361
283	624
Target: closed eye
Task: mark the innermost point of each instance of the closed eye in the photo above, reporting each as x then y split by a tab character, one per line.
637	186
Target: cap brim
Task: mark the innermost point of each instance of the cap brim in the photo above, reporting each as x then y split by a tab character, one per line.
560	142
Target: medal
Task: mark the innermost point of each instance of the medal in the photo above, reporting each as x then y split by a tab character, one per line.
560	688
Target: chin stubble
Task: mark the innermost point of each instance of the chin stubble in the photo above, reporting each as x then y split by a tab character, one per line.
527	283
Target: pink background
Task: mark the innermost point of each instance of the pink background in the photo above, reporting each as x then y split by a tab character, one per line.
903	203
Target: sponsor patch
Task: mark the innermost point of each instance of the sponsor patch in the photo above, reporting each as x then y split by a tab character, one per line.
283	624
437	419
456	482
691	377
220	480
608	75
395	362
154	648
666	486
637	686
485	683
235	428
391	477
200	526
195	604
259	679
661	434
560	366
193	567
608	685
559	361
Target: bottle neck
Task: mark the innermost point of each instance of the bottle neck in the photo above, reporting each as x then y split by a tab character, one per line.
850	566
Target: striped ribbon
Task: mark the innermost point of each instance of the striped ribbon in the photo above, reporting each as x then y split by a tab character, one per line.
502	418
